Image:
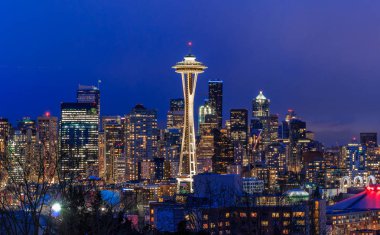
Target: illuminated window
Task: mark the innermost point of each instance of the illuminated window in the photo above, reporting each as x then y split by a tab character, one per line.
227	223
300	222
286	223
287	215
275	215
205	217
242	214
264	223
212	225
205	226
227	215
285	231
151	211
298	214
253	214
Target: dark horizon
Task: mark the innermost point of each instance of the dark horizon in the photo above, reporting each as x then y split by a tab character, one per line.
318	58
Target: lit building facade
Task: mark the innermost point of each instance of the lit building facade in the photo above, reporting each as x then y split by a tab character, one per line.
215	96
239	134
141	141
79	137
89	94
175	114
114	149
47	129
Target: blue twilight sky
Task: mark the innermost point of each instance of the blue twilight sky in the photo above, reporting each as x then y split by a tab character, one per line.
320	58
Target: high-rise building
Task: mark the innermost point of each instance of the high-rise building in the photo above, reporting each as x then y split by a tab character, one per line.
4	135
204	110
141	136
224	152
16	162
47	129
79	133
175	114
314	168
189	69
298	141
275	162
239	134
215	96
261	121
369	139
4	138
89	94
114	149
28	136
355	156
260	106
205	149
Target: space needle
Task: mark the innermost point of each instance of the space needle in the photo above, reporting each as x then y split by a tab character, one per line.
189	69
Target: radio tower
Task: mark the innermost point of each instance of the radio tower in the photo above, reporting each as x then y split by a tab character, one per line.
189	69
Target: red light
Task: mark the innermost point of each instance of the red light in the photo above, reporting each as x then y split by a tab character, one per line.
47	114
189	44
370	188
378	188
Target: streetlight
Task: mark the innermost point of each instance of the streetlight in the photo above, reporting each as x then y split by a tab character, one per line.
56	208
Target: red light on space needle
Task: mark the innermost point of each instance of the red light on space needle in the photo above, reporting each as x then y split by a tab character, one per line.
190	43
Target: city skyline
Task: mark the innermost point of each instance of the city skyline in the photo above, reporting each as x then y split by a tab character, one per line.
298	50
189	117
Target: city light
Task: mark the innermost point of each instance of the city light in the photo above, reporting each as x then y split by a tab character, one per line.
56	207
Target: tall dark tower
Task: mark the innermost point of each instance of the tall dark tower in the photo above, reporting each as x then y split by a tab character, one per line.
215	96
239	133
89	94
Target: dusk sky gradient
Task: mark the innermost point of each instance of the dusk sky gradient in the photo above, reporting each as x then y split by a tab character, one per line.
320	58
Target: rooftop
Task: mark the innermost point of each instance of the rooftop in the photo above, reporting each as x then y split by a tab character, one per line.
369	199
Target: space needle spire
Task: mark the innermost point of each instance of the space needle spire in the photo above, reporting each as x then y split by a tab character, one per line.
189	69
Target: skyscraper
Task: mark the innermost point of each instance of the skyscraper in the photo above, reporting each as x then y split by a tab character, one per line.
369	139
260	106
239	134
89	94
17	158
47	129
215	96
261	119
141	135
224	152
355	157
4	135
204	110
297	144
114	149
28	136
175	114
4	138
189	69
205	149
79	133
